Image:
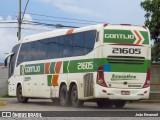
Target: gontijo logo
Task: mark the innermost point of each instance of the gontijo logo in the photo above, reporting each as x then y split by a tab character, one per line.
32	69
123	36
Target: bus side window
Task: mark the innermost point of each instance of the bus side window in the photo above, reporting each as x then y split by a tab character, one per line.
67	45
53	47
78	44
13	60
90	37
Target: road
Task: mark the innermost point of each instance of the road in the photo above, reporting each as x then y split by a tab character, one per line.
48	105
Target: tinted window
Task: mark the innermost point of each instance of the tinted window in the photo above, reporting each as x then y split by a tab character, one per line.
76	44
67	45
13	59
53	47
89	41
41	50
23	53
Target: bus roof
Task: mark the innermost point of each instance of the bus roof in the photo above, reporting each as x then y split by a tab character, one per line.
64	31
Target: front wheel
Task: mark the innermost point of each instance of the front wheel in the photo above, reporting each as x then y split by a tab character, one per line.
119	103
20	97
74	97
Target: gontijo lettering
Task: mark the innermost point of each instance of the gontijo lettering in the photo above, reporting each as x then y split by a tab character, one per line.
119	36
32	69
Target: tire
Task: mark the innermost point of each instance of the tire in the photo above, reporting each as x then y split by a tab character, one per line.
20	97
119	103
74	97
64	96
104	103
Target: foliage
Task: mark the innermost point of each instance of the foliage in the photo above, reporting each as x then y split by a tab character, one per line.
152	8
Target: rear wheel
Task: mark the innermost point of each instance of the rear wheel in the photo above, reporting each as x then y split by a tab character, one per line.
119	103
104	103
20	97
64	96
74	97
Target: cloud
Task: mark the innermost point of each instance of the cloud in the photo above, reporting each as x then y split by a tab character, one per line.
71	6
8	33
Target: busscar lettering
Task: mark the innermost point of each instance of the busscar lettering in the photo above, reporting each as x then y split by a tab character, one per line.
119	36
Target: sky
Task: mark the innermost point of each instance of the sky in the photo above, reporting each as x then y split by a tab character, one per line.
76	13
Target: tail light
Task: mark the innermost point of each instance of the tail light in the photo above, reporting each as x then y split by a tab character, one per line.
144	27
105	25
100	77
147	82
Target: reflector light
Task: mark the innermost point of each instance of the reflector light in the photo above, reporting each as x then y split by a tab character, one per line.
100	77
105	25
147	82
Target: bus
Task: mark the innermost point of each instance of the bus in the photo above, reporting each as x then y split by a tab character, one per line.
106	63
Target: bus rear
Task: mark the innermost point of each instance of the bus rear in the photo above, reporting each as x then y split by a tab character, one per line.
125	73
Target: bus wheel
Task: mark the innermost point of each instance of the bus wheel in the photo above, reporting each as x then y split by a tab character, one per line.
104	103
20	97
119	103
64	96
74	97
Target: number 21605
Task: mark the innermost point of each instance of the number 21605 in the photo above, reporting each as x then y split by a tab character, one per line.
126	50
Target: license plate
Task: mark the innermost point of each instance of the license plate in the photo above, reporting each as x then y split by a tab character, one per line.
125	92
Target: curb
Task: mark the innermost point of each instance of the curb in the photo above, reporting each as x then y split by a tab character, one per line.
148	101
3	103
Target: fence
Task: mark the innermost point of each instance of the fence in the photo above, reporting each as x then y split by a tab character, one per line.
3	81
155	82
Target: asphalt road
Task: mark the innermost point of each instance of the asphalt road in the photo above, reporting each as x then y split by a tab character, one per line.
48	105
41	105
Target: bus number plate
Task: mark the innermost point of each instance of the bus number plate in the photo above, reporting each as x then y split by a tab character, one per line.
125	92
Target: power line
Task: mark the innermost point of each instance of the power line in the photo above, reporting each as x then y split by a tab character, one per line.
62	21
66	18
48	24
39	23
7	22
55	17
25	28
25	10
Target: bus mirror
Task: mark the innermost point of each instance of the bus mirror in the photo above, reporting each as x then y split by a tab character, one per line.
6	59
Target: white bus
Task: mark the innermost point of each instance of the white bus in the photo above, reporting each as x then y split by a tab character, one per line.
108	64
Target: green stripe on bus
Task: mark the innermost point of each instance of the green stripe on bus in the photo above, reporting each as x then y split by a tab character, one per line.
86	65
49	80
52	71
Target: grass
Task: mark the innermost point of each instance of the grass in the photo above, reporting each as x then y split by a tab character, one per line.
7	96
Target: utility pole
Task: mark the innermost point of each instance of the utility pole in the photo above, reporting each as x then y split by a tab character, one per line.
19	22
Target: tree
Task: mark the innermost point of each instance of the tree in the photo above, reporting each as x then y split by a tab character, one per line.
152	8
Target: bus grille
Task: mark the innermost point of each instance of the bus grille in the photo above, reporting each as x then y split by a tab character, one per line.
125	60
88	84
